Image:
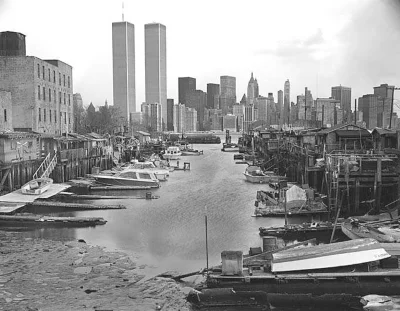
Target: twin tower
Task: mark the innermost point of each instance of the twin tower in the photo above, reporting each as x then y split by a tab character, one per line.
123	49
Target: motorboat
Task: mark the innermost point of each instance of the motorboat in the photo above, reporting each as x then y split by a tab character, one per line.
172	153
37	186
255	174
129	177
161	174
230	147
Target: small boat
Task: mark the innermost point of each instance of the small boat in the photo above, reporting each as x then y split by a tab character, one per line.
161	174
172	153
230	147
37	186
254	174
186	151
328	256
128	177
299	230
354	229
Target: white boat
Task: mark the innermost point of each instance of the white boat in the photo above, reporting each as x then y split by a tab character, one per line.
128	177
328	256
172	153
37	186
254	174
161	174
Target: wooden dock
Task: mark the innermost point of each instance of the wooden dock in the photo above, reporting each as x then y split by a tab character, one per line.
40	220
74	205
101	188
68	196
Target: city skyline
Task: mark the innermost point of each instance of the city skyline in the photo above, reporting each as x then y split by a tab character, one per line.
336	46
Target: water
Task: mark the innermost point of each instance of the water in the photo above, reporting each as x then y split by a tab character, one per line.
169	232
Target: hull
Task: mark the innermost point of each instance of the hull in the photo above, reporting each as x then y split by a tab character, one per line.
354	232
115	181
37	186
161	176
172	156
263	179
339	254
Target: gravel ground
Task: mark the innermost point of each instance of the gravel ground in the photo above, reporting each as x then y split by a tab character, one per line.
44	275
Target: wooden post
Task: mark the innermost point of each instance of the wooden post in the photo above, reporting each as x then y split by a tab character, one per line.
357	195
379	184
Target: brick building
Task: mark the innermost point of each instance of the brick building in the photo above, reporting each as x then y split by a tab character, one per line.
41	93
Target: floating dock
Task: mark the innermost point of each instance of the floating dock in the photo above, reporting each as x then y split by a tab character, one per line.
68	196
39	220
74	205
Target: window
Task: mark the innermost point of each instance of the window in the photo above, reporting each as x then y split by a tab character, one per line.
54	76
5	115
38	70
43	72
50	115
64	79
55	116
59	96
69	82
44	93
69	99
44	115
65	118
49	95
55	97
40	115
60	117
65	101
13	145
38	88
144	176
30	144
59	78
69	118
49	75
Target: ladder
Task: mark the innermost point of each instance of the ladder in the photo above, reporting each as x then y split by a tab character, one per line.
46	167
334	190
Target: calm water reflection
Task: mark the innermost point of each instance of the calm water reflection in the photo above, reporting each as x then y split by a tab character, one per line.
169	232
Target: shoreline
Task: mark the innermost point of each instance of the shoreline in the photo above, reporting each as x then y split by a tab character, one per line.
41	274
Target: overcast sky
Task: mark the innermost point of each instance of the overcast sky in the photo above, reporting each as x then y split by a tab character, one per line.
315	44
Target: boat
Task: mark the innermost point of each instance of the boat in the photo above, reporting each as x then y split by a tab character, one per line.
354	229
255	174
325	256
161	174
230	147
299	201
335	274
305	230
172	153
37	186
128	177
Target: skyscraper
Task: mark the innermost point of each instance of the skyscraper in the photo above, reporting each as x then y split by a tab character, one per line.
343	94
170	114
123	49
227	96
156	67
212	96
186	85
252	90
286	102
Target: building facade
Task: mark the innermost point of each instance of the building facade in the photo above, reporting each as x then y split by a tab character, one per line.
186	86
191	120
286	103
156	67
179	118
230	122
371	107
41	93
170	114
212	96
156	117
327	110
227	96
124	84
343	94
5	111
198	100
238	110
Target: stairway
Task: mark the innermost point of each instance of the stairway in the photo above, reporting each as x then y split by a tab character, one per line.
334	191
46	167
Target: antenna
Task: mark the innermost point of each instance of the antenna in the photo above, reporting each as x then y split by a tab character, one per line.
123	11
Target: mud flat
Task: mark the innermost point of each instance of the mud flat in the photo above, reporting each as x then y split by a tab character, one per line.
44	275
